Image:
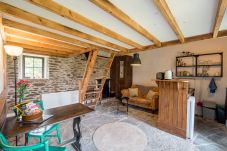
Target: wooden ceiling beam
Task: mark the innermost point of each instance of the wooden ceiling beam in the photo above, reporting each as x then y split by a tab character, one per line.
163	7
13	38
74	16
19	13
20	33
2	28
38	49
187	40
44	53
220	14
119	14
52	35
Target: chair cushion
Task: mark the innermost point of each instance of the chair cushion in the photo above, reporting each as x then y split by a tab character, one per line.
133	92
139	100
40	131
150	95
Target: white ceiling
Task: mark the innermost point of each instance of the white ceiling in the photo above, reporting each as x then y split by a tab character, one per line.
194	17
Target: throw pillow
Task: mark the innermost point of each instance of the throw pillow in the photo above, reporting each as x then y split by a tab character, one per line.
133	92
150	95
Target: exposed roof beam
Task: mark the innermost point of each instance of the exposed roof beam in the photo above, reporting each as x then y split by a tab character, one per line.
220	14
38	49
187	40
24	40
45	33
20	33
44	53
2	28
116	12
163	7
67	13
19	13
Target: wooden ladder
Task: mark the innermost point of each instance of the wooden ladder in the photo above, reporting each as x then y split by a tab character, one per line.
84	83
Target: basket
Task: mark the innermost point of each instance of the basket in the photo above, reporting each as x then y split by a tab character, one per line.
32	117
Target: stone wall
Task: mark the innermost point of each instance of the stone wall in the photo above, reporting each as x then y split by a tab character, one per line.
64	75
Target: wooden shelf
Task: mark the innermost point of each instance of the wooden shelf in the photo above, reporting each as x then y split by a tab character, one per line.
186	66
199	66
209	65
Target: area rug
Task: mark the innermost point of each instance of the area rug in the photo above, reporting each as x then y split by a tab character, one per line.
119	136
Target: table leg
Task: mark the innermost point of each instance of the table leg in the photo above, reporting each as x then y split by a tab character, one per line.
26	139
127	105
77	134
16	139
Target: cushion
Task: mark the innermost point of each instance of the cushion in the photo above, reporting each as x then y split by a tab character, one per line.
150	95
125	93
133	92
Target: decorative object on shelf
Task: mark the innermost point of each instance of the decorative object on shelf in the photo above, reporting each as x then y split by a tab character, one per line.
22	88
187	53
168	75
160	75
14	51
136	60
212	86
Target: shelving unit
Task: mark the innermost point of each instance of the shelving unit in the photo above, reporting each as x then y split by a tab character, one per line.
195	66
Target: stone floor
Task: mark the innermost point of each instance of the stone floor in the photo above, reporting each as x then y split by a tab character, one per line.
209	135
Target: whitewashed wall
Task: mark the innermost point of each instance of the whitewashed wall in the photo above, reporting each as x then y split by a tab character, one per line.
159	60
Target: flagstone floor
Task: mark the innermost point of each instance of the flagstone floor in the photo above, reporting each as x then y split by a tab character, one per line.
209	135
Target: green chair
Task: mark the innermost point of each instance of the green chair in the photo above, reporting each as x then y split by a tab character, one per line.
4	145
44	132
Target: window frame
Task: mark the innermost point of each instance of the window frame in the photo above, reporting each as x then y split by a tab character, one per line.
34	57
45	66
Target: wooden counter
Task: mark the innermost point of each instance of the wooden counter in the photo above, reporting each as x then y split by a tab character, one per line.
172	115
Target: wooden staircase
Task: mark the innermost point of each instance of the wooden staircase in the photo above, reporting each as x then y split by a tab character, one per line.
90	94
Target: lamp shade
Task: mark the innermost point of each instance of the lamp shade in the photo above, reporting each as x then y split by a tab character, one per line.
13	50
136	60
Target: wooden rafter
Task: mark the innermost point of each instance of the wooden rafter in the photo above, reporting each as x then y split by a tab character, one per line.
44	53
187	40
38	49
2	28
18	13
119	14
220	14
23	40
52	35
20	33
163	7
67	13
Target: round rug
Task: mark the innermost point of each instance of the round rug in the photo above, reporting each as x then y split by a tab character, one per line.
119	136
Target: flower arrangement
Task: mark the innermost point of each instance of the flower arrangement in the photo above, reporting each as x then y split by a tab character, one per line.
22	88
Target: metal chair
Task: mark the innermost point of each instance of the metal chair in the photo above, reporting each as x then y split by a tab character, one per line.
4	145
45	132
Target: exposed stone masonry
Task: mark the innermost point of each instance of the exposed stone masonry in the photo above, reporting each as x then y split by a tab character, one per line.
64	75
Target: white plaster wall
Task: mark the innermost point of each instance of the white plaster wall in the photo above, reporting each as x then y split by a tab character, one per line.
161	59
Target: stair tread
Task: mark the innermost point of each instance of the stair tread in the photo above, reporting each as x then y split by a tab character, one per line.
94	91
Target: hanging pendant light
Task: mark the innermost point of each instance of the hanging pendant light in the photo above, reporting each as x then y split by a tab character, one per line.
136	60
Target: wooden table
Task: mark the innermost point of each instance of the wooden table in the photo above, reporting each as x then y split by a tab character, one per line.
12	128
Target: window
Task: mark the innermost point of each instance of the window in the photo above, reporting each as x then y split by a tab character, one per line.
33	67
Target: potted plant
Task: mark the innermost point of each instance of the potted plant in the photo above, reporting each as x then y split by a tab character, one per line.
22	88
